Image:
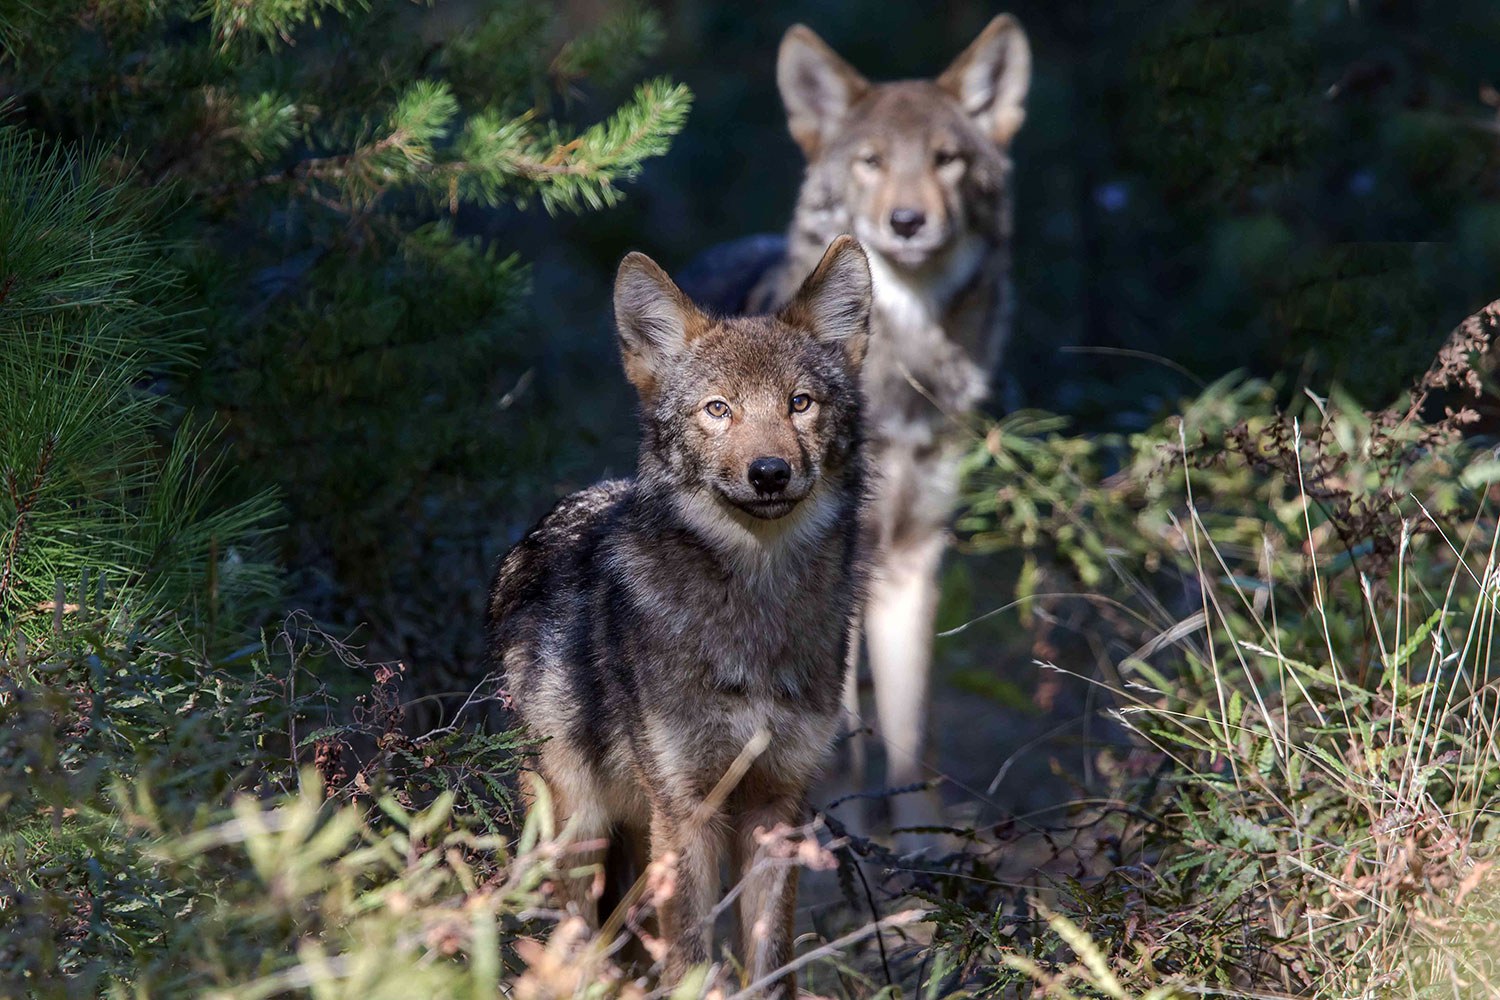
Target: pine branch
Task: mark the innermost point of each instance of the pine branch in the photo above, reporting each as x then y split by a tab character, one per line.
503	158
270	21
495	158
88	326
611	50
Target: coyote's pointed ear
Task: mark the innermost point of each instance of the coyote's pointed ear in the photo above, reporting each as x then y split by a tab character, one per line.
654	320
991	78
817	87
834	302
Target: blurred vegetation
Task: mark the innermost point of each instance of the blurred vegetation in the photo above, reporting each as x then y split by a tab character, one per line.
1293	610
157	838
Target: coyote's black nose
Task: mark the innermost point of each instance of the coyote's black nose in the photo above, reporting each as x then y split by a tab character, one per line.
770	475
906	221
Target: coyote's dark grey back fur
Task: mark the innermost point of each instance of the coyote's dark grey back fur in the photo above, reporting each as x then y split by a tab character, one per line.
650	629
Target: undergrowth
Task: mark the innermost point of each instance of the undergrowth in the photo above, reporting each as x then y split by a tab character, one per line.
172	825
1297	603
1294	605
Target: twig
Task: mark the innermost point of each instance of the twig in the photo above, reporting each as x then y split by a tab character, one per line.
885	961
901	919
1125	352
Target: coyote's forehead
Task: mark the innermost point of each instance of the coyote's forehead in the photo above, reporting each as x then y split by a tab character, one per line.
747	357
910	117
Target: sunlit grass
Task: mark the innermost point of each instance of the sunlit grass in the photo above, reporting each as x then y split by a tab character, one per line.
1329	814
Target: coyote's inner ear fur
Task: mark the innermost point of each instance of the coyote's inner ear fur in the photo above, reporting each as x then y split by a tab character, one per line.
834	302
655	320
816	86
991	77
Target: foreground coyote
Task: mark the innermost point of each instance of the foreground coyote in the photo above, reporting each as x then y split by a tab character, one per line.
649	629
918	171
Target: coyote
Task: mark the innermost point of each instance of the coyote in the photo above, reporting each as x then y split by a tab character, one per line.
919	172
649	629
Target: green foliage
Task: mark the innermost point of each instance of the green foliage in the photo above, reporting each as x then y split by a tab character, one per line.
340	173
509	159
127	766
1294	608
1256	477
269	22
103	749
324	902
92	505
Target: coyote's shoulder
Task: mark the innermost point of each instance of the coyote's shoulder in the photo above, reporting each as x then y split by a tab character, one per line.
554	552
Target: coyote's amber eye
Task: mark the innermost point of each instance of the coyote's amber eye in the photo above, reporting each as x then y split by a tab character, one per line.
943	157
871	159
717	408
801	402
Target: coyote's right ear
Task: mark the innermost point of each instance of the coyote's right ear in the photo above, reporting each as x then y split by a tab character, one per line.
990	79
654	319
833	304
817	87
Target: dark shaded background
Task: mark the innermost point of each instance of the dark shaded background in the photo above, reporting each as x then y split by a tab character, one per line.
1303	189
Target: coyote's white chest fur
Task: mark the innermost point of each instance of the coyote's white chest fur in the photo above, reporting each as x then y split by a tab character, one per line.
909	300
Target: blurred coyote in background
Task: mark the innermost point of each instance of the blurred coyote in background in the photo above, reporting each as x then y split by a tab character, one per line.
649	629
919	172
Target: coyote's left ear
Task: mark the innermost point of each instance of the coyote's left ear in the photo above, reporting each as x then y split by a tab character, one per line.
655	321
991	78
816	86
834	302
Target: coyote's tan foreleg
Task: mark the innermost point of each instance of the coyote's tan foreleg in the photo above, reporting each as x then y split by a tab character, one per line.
580	832
855	751
692	845
768	894
900	619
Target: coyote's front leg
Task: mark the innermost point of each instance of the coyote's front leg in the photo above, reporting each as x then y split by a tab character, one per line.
768	894
900	619
581	830
691	843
